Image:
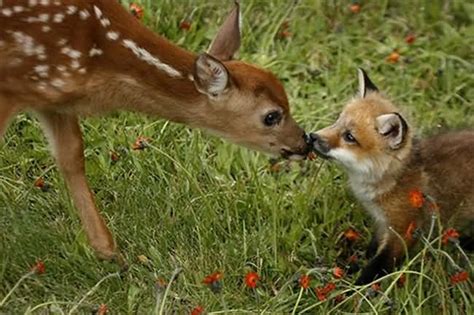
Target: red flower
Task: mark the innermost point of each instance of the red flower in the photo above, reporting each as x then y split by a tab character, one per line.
416	198
375	287
410	39
322	292
459	277
305	281
185	25
251	279
102	310
114	156
450	235
410	230
136	10
311	156
213	277
141	143
338	272
401	281
394	57
213	281
39	268
351	235
355	7
198	310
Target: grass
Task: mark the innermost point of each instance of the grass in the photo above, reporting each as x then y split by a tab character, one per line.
193	203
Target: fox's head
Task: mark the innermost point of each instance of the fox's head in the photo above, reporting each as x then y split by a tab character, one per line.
370	137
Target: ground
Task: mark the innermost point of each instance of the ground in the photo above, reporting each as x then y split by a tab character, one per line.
193	202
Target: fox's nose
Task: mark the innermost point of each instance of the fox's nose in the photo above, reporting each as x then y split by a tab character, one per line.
319	144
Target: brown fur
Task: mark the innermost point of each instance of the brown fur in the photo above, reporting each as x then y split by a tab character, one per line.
121	78
382	177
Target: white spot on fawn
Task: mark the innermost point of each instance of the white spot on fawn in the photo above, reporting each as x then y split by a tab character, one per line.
58	83
71	9
98	12
95	52
112	35
42	70
75	64
62	42
28	45
82	70
18	9
84	14
71	52
58	18
105	22
42	18
44	2
7	12
46	28
32	3
144	55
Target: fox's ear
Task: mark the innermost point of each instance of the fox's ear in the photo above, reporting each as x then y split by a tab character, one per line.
393	128
210	76
365	84
227	41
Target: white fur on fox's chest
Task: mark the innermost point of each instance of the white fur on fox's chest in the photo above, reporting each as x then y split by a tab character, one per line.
366	195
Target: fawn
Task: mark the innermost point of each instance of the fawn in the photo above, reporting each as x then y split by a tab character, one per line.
69	58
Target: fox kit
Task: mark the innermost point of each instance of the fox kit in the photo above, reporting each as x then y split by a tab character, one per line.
385	164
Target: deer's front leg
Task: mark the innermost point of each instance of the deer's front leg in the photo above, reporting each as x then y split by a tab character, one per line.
6	112
65	137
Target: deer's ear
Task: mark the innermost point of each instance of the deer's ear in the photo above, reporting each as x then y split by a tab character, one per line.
210	75
365	84
227	41
393	128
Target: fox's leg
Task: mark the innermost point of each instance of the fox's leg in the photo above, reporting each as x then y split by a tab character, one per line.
388	255
65	137
372	248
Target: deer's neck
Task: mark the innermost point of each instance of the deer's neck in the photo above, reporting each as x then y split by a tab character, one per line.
144	71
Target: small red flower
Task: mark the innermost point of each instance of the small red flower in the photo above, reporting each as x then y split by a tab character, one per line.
338	272
416	198
185	25
39	268
102	310
198	310
304	281
351	235
459	277
322	292
410	39
401	281
450	235
251	279
311	156
141	143
114	156
41	184
213	277
410	230
394	57
355	8
376	287
284	34
136	10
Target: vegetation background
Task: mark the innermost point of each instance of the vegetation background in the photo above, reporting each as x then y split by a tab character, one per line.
193	202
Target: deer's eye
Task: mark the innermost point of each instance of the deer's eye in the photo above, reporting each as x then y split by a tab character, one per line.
272	118
349	137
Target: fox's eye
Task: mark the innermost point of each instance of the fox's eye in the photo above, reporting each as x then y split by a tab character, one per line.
272	118
348	137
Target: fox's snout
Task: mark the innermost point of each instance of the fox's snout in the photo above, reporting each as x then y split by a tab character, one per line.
319	144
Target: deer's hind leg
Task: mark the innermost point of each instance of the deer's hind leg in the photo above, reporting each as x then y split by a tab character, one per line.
65	137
